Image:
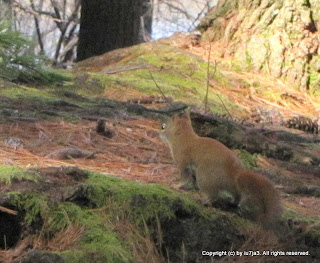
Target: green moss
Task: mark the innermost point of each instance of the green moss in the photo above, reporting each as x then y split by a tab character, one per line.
256	84
294	217
61	216
145	201
101	243
173	83
9	173
74	256
249	160
103	204
90	84
26	92
269	94
33	97
307	230
33	206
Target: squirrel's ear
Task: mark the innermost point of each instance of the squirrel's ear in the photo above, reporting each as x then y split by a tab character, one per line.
184	114
187	112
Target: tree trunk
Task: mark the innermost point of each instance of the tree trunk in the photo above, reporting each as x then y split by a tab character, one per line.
111	24
278	37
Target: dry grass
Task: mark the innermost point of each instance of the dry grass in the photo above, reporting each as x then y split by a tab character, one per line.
140	241
142	247
63	240
251	98
7	256
259	240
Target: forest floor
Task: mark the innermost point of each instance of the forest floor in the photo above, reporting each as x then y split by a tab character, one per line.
44	119
136	152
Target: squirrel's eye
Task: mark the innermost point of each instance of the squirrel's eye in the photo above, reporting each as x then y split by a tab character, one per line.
163	126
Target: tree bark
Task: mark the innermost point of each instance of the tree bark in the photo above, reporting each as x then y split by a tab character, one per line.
107	25
280	38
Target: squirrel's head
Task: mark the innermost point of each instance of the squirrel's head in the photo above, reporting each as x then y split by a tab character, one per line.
175	126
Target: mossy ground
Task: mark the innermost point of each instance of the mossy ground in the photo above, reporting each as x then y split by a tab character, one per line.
110	202
10	173
177	74
155	212
106	205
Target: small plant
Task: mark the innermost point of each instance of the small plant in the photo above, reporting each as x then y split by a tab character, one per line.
18	62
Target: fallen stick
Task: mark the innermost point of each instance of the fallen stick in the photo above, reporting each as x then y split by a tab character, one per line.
7	210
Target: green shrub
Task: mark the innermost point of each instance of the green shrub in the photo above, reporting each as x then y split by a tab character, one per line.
19	63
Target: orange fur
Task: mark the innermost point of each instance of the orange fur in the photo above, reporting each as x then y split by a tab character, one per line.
218	170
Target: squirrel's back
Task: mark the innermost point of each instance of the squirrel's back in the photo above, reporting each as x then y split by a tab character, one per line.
219	170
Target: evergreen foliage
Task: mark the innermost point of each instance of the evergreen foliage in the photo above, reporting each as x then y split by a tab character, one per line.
19	63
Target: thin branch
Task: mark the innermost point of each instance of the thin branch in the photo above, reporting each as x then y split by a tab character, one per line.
164	96
208	82
57	14
36	22
35	12
180	10
224	105
64	30
7	210
208	79
196	19
124	69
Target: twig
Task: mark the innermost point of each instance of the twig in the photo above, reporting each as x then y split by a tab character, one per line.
164	96
208	82
224	105
28	119
181	10
124	69
16	4
193	25
139	108
38	30
63	26
208	71
7	210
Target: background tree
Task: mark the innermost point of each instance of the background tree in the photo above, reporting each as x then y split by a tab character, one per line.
112	24
54	25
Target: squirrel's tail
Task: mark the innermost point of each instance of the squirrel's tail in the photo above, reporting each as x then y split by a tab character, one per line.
259	201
